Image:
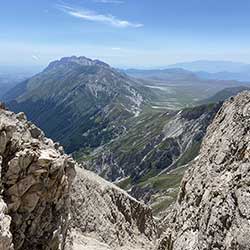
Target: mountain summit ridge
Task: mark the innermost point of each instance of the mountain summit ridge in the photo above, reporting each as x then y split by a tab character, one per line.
81	60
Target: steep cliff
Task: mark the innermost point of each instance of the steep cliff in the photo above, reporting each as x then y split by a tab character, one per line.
213	206
35	182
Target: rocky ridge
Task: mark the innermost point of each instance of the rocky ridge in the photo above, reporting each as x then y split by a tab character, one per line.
107	216
212	210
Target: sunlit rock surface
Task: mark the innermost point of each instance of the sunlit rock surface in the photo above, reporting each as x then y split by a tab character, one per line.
35	180
213	207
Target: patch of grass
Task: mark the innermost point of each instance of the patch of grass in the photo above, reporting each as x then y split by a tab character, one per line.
165	181
83	155
124	184
142	131
144	179
189	155
165	203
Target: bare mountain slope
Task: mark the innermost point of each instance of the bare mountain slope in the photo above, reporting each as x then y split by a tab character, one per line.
77	101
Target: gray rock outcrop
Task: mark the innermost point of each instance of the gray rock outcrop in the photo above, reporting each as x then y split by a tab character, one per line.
213	206
35	182
106	217
5	220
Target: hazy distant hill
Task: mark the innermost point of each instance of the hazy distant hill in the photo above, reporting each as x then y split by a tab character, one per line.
217	70
224	94
206	70
212	66
8	81
162	74
13	75
225	75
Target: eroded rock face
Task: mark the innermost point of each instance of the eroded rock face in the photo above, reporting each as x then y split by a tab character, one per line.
36	177
213	207
5	220
106	217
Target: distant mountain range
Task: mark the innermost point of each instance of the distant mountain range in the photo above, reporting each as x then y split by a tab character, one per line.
211	70
13	75
85	103
174	74
225	75
212	66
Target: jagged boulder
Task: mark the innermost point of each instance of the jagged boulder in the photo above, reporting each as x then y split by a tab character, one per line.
104	217
213	206
35	181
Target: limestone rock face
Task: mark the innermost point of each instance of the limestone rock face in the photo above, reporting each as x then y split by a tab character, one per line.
5	220
105	217
213	207
35	181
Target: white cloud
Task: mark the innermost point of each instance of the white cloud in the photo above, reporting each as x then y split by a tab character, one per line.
35	57
95	17
109	1
116	48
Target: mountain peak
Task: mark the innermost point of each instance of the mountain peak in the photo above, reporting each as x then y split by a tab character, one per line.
81	60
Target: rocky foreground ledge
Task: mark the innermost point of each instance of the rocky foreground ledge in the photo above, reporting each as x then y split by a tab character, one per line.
35	181
213	207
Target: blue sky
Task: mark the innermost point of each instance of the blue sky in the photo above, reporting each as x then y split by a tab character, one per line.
124	33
